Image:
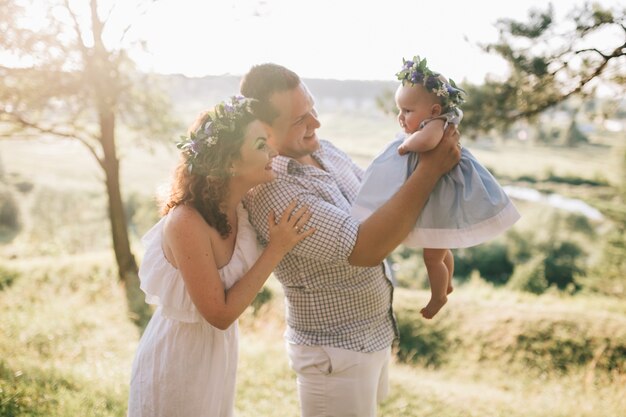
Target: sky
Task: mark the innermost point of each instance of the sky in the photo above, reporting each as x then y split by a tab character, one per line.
340	39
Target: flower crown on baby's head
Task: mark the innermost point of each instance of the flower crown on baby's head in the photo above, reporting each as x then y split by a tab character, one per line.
416	72
221	121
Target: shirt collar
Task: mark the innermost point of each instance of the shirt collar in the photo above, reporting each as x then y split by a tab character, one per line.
286	165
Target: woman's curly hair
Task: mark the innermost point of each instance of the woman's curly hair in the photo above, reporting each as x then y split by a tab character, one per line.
204	184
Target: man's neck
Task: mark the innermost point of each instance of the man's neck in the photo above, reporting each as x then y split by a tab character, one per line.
310	160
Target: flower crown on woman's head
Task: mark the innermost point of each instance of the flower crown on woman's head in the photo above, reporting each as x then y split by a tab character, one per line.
416	72
224	118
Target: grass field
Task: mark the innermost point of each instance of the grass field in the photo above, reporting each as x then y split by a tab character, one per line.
66	347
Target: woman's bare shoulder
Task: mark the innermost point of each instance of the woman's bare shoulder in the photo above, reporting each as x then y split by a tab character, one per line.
184	219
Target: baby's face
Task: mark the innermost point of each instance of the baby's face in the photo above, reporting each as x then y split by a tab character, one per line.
414	105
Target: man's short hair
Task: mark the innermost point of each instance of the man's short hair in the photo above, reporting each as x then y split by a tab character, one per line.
262	81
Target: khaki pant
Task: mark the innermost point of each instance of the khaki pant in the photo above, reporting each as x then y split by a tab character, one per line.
335	382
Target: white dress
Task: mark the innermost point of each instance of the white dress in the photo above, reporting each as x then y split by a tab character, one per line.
184	367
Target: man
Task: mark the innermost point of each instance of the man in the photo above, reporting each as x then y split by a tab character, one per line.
340	324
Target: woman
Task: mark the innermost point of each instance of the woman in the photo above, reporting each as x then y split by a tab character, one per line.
203	267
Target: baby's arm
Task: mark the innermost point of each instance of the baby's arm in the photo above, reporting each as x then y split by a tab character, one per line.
425	139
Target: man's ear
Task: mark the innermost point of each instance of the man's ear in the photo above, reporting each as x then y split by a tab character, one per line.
435	110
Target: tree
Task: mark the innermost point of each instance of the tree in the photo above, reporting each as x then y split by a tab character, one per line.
574	136
64	77
562	264
491	260
549	62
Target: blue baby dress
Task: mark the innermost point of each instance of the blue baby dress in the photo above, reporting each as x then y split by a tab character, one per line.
467	206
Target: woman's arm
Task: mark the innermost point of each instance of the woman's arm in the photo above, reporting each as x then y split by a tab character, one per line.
187	238
424	139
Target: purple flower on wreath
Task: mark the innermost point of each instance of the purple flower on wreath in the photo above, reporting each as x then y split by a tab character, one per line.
417	77
432	83
408	65
194	147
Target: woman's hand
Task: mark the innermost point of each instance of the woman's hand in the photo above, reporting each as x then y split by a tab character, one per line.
290	230
446	154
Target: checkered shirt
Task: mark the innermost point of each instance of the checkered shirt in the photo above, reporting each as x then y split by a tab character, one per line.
329	302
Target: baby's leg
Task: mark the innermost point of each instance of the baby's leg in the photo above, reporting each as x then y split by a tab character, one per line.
438	276
448	260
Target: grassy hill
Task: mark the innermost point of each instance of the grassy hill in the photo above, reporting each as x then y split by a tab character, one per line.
66	346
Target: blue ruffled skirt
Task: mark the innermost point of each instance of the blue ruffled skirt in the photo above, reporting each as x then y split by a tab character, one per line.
467	206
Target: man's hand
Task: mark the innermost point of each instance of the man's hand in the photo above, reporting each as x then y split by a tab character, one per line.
445	155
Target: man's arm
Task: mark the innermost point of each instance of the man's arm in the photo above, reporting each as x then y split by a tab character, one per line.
388	226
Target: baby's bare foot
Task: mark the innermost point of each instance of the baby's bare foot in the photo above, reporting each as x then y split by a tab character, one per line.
433	307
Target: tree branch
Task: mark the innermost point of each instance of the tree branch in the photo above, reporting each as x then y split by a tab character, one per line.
70	135
79	37
130	25
591	50
551	102
108	16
